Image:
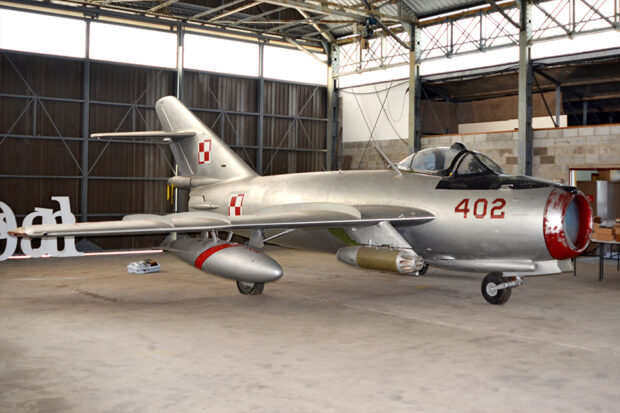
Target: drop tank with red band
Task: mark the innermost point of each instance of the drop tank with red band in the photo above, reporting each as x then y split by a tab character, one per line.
227	259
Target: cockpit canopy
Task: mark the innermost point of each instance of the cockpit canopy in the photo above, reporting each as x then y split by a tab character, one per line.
450	161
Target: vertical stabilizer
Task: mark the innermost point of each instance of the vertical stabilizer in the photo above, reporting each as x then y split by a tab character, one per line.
204	154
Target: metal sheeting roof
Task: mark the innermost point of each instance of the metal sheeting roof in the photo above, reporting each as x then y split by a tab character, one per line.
307	22
426	8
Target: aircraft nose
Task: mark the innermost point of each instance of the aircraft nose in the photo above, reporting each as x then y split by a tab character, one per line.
567	223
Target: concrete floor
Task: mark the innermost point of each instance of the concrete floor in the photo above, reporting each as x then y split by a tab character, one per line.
82	335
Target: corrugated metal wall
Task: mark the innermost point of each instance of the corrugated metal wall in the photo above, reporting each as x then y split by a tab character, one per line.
294	146
41	120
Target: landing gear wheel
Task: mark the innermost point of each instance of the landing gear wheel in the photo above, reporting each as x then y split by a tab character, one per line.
423	270
497	297
249	288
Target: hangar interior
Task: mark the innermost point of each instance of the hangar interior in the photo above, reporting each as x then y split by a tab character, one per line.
52	102
301	86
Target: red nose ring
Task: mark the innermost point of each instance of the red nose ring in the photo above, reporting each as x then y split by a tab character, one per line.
560	245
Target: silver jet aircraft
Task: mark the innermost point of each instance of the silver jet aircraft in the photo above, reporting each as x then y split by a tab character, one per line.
449	207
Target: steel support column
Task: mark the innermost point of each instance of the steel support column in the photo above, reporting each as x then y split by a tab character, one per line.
415	89
331	134
85	127
180	58
558	105
261	109
179	95
584	113
525	146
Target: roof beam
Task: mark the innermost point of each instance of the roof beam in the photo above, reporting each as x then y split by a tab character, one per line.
303	49
323	9
215	10
597	11
292	23
553	19
602	96
161	6
233	11
285	21
393	35
503	13
328	36
386	29
254	18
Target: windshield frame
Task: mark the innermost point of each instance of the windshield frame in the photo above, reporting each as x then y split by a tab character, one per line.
482	160
407	163
451	171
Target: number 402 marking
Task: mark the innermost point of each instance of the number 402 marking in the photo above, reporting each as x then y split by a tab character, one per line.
480	208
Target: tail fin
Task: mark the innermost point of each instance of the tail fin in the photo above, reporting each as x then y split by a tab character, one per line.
202	152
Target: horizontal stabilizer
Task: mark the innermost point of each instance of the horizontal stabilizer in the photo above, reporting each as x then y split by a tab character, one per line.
143	135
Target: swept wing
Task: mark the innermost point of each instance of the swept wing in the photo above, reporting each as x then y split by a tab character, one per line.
290	216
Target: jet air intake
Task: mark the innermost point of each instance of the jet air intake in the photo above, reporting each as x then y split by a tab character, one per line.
227	259
567	223
382	259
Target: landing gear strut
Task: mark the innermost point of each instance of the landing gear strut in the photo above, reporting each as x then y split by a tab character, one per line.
249	288
497	289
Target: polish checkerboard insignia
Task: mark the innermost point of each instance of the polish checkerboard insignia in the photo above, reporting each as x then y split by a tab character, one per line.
235	205
204	151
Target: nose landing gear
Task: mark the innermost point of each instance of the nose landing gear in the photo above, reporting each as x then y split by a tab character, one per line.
497	289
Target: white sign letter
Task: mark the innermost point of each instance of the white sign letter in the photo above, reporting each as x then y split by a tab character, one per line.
47	245
7	223
66	217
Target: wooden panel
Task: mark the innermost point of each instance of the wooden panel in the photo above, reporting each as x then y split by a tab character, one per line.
130	159
24	194
22	156
41	75
205	90
295	100
278	133
311	134
129	84
10	120
239	130
127	197
59	119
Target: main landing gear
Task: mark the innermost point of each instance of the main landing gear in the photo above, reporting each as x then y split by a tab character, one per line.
496	289
249	288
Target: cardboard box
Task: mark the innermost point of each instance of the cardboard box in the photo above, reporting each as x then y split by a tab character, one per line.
617	236
604	175
604	237
589	189
604	231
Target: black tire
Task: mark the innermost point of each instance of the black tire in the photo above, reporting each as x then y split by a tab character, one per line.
423	270
248	288
497	297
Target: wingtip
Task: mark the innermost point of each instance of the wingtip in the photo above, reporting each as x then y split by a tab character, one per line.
18	232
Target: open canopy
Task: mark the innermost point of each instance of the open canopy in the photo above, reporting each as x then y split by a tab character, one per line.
455	160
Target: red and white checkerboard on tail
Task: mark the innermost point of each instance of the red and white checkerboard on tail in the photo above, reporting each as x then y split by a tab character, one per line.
204	151
235	205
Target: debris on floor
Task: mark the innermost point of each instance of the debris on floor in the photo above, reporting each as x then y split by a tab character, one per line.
143	267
